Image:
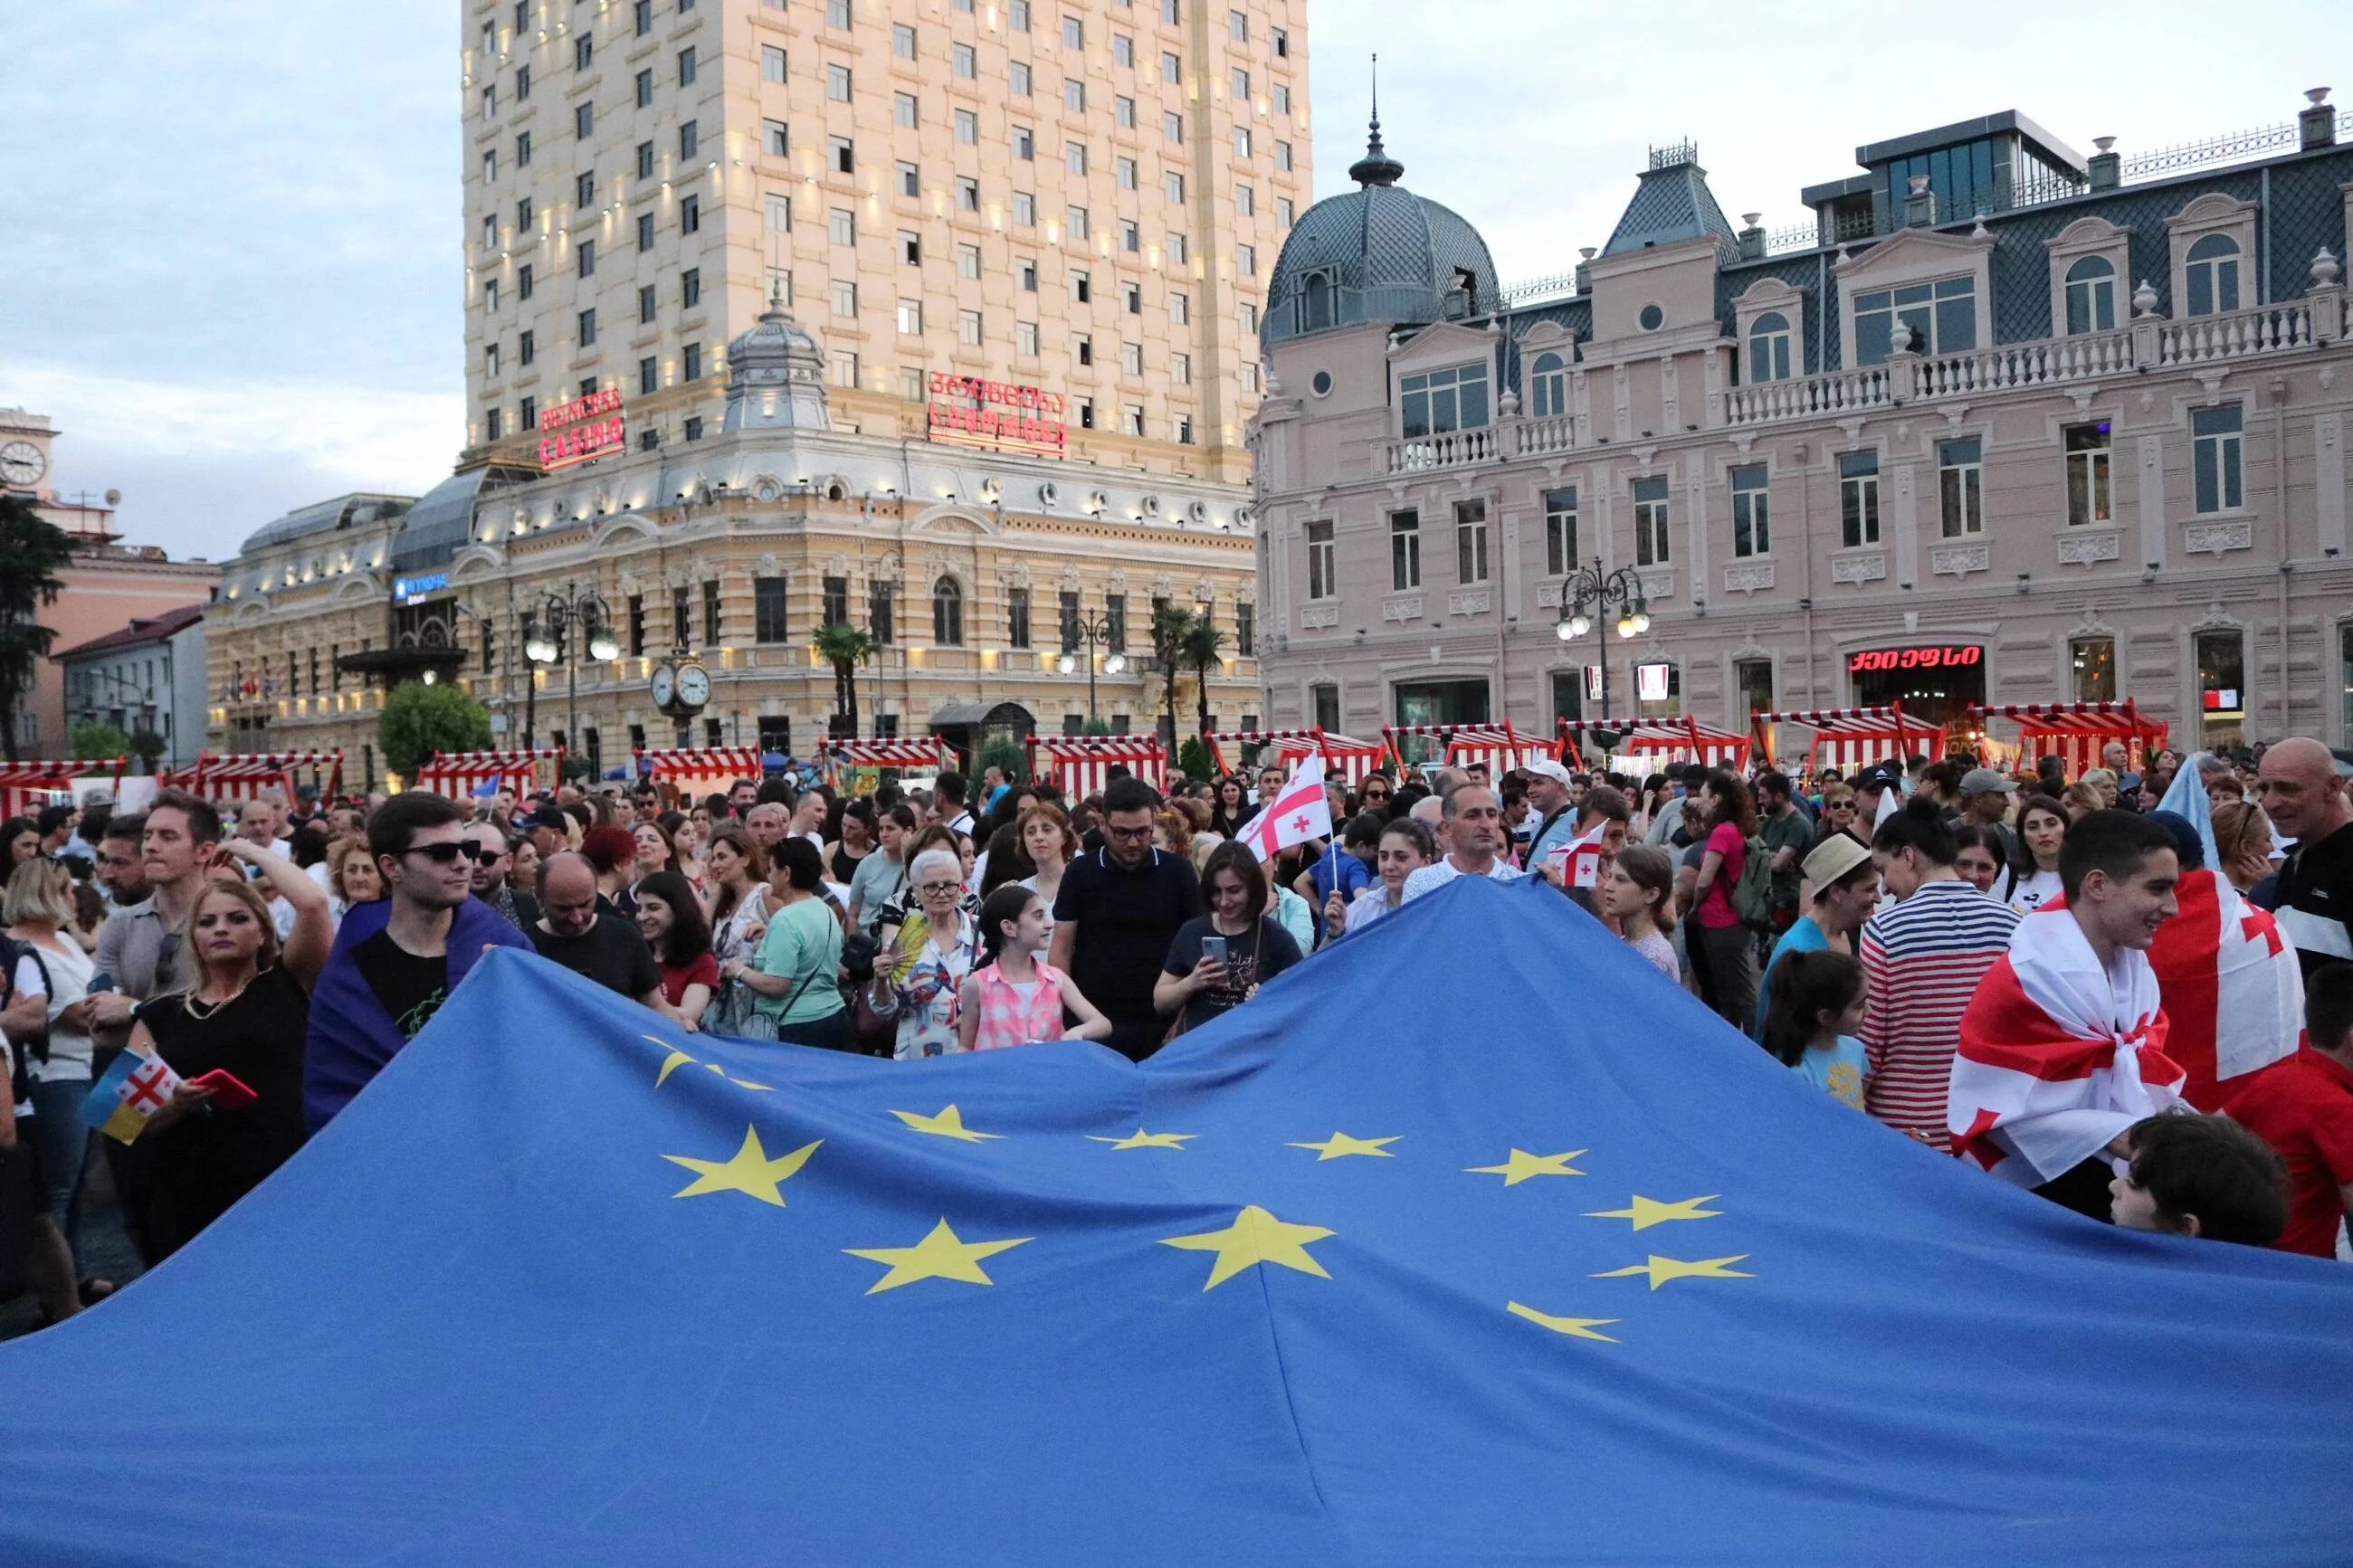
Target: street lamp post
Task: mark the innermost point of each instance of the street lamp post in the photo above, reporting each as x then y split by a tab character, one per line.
1093	631
560	615
1591	587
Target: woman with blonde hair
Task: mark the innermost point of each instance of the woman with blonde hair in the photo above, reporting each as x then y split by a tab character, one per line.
2242	843
352	878
38	907
235	1039
2082	798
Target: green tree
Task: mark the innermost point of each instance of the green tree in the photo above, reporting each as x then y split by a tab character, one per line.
1006	757
1171	623
1203	646
33	550
148	747
1097	727
419	719
845	647
94	741
1194	760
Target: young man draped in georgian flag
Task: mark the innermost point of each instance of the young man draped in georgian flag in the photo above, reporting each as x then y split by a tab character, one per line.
2062	1047
1297	813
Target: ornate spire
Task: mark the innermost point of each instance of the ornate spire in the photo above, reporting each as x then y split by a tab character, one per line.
1376	167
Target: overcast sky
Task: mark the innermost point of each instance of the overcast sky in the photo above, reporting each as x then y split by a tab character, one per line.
230	268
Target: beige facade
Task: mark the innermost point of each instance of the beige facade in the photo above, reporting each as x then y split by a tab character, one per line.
2067	484
1082	196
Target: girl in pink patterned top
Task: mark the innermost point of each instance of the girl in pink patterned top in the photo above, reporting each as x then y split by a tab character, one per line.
1016	999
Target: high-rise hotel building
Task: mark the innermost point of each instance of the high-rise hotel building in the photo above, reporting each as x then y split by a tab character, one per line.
1080	195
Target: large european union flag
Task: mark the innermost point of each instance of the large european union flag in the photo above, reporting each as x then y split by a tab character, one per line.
1472	1241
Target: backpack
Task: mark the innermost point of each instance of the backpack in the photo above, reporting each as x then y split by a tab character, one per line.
35	1046
1752	896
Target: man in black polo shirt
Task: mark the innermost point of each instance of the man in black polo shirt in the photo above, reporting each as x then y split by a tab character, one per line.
1118	910
2303	795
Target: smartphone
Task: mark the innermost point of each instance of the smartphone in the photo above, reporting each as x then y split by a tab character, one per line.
102	981
229	1092
1214	947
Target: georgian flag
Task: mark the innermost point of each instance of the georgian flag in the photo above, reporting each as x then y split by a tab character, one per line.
2231	985
1580	858
1297	813
2057	1055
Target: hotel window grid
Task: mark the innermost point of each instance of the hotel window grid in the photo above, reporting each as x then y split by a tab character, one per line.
1470	541
1768	347
584	120
1323	577
1176	249
1180	368
490	359
693	428
2215	459
1017	14
1172	67
1858	498
1752	679
1282	156
1068	606
1082	287
587	327
1245	628
1180	308
1941	318
648	376
645	18
1024	143
1130	296
2212	271
1433	402
835	596
910	385
1074	157
1076	217
1241	85
523	148
682	616
1132	420
527	415
522	83
2091	295
689	214
1752	531
583	192
1327	705
911	248
1126	172
495	427
2088	458
1172	129
1239	26
1560	531
1245	202
1017	617
1281	97
1184	429
525	345
1242	144
1650	507
1131	237
1961	485
780	213
1028	274
775	139
584	52
1405	550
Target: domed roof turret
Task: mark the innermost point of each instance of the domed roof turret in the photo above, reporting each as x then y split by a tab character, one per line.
776	376
1379	253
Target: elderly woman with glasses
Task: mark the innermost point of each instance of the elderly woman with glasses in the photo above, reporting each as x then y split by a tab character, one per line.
917	979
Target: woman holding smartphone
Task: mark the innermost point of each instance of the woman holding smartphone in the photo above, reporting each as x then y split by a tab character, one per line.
235	1038
1216	962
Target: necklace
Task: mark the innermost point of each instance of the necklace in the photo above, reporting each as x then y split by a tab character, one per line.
199	1009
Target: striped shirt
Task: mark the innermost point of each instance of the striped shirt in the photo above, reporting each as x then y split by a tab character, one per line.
1922	960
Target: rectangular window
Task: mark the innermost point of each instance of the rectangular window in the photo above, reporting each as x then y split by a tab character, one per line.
494	426
646	87
968	328
1961	485
1237	26
1175	182
967	261
968	195
1939	318
909	181
1027	275
1074	157
1560	531
710	611
1752	683
775	140
1241	85
845	305
1017	80
1282	156
968	128
527	415
523	148
1405	550
1245	260
1281	97
910	385
1651	507
965	61
525	346
1074	95
648	376
645	231
522	83
1124	169
1069	621
1122	112
584	190
1017	16
2222	687
1081	288
780	284
1024	143
911	248
1083	348
1131	359
1017	617
690	287
1172	127
1180	369
2214	457
587	327
1025	339
1025	209
1322	574
645	18
2093	663
903	108
1122	49
584	52
645	161
691	363
648	309
1180	309
1437	401
1858	498
1751	528
689	214
878	612
837	83
1471	541
1172	67
490	293
2212	275
584	120
2089	454
911	317
772	63
682	616
1245	203
1132	420
842	225
836	594
903	41
1074	33
1184	429
1116	623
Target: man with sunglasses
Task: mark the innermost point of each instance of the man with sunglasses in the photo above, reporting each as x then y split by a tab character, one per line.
493	865
1118	908
398	959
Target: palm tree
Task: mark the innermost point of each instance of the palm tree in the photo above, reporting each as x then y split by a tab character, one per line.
1170	626
845	647
1204	643
33	550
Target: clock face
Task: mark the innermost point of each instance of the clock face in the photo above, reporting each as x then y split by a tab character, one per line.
693	686
21	463
665	686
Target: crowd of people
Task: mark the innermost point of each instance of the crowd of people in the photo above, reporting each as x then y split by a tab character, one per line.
1900	939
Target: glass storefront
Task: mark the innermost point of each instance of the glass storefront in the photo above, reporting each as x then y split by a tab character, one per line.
2221	689
2093	663
1438	703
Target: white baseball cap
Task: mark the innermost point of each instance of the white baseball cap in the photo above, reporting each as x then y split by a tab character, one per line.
1544	767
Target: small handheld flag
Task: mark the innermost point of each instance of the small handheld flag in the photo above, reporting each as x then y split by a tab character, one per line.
1297	813
130	1091
1580	858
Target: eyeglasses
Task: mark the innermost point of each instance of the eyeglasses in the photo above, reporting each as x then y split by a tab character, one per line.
1112	831
935	889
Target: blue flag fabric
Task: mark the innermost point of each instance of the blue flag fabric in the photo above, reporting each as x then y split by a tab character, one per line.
1470	1241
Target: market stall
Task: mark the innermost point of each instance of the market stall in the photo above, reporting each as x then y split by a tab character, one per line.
1651	744
1852	738
921	755
2077	732
28	785
242	775
1344	757
1498	746
696	771
1080	764
458	774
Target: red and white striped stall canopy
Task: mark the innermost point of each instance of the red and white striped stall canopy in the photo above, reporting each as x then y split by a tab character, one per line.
1500	746
698	770
1850	738
242	775
458	774
1080	764
1661	740
2078	731
907	753
1344	757
26	786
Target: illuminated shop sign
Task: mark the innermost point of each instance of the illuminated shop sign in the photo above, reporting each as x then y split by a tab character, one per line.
582	430
412	590
1650	682
979	413
1959	656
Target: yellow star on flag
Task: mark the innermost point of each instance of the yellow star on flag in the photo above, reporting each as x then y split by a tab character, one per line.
1340	1145
942	1255
949	1123
1255	1237
750	1172
1140	1139
671	1063
1575	1328
1661	1269
747	1083
1648	1211
1523	1164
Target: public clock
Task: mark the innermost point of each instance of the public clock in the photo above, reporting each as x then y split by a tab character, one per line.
693	686
21	463
665	690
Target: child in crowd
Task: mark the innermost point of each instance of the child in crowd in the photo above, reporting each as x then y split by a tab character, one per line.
2201	1176
1637	891
1017	998
1813	1009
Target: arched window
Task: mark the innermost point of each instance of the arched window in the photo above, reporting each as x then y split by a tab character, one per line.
2212	269
1768	347
947	613
1548	387
2092	295
1319	301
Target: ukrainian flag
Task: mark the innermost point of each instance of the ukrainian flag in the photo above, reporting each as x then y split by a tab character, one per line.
127	1094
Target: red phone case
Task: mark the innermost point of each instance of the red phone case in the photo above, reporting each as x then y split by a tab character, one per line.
229	1092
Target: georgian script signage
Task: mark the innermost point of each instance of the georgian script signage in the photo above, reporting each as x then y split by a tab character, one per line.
979	413
1959	656
582	430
